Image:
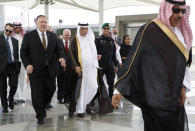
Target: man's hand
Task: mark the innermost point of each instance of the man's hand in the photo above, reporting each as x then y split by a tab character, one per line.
62	61
78	70
124	58
121	65
99	57
29	69
182	96
115	100
115	69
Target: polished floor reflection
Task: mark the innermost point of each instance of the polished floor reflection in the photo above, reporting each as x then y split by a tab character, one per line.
22	118
126	118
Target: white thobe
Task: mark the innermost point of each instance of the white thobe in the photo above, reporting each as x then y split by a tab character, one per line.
187	76
21	79
89	84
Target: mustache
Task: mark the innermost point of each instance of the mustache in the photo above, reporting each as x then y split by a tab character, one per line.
178	18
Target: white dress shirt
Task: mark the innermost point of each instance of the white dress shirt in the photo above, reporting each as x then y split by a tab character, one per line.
11	46
65	43
40	35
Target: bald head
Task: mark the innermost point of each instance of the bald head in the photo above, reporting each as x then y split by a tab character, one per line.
66	34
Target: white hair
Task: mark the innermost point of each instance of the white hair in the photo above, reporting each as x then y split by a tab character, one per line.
67	30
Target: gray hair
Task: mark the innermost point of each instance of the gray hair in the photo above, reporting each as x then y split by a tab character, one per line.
67	30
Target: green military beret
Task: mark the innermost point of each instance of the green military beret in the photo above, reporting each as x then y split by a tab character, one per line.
105	24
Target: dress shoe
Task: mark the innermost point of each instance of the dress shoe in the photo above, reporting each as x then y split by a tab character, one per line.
45	115
5	110
81	115
88	109
49	106
71	114
11	105
40	121
61	101
21	101
15	101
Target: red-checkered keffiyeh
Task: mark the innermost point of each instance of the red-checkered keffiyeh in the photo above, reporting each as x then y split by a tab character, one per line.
18	24
165	12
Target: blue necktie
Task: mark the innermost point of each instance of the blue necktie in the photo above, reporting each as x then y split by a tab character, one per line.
8	51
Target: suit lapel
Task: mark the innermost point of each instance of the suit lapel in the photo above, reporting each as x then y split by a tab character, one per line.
48	39
14	48
38	39
13	44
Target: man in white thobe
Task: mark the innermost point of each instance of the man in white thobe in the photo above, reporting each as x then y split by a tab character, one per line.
85	63
19	34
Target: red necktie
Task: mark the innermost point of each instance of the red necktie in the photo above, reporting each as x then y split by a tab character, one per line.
66	46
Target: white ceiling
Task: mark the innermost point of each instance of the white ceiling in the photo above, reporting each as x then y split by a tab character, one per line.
85	4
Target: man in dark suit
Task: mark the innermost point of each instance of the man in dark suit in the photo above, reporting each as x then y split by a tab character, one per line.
115	36
9	66
39	51
63	77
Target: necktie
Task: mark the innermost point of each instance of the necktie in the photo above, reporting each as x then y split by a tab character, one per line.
8	50
66	46
115	39
44	41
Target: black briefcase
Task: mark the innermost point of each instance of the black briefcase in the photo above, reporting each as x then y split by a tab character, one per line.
104	100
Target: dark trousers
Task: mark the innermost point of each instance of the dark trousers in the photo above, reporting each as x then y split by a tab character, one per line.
64	85
42	90
173	122
53	89
73	101
67	86
12	75
110	75
60	82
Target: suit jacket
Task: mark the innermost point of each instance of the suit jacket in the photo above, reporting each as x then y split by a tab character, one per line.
33	53
118	41
67	58
4	54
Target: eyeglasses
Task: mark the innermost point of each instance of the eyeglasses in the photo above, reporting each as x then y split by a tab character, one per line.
8	31
177	11
106	28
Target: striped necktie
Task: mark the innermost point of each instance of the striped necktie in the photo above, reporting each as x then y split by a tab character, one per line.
8	50
44	41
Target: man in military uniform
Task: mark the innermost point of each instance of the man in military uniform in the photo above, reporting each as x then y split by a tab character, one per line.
106	49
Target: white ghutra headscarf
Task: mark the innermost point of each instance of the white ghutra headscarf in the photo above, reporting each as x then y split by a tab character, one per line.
88	39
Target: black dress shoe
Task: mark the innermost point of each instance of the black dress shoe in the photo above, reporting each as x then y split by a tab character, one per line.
45	115
88	109
40	121
71	114
15	101
21	101
81	115
11	105
5	110
49	106
61	102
